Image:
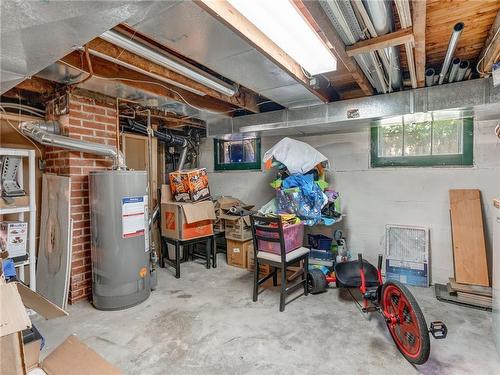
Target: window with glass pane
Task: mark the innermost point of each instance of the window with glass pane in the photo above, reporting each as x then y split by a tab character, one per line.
237	154
418	140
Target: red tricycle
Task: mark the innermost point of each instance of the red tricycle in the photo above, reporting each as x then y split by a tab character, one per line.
391	299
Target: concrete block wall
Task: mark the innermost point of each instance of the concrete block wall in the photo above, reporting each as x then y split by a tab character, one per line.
93	121
374	197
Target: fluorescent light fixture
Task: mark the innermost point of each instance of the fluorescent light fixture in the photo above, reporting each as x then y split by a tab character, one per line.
281	21
170	62
145	72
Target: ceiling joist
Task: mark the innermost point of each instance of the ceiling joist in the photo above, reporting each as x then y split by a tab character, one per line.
338	47
229	16
139	63
102	69
419	24
380	42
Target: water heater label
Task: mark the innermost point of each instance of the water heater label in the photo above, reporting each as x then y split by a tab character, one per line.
133	213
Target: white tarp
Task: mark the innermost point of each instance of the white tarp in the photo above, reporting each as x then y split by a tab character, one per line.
298	157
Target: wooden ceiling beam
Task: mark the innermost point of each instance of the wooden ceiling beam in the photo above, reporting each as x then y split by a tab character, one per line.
491	50
419	24
242	99
380	42
37	85
103	69
241	26
338	47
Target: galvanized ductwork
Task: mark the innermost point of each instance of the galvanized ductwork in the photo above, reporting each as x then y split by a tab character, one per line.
44	132
381	17
377	19
452	45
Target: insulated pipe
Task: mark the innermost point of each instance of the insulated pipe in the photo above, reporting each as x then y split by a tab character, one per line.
35	130
173	140
452	45
429	77
462	69
454	69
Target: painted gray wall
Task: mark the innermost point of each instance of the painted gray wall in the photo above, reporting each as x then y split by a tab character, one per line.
374	197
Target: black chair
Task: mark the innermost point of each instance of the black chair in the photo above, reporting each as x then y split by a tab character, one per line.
265	229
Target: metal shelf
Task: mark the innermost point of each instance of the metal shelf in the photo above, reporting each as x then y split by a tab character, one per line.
14	210
22	210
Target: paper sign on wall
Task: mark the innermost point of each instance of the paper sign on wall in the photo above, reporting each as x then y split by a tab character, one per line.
134	216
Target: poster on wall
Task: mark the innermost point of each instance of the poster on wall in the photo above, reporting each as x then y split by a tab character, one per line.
134	217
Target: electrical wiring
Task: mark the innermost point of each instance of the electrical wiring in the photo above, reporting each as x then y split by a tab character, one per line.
152	83
17	130
22	106
486	52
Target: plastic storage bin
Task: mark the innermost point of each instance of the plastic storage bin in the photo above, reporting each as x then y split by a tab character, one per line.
320	241
294	237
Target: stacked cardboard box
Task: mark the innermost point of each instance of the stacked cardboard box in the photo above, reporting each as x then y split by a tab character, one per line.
185	221
237	252
189	185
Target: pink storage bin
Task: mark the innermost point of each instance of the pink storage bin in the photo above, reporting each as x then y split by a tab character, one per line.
294	238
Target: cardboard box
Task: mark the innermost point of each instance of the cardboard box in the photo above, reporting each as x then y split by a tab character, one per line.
237	228
265	269
190	185
237	253
13	238
185	221
71	357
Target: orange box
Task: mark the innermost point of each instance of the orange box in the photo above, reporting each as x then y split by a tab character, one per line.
190	185
186	221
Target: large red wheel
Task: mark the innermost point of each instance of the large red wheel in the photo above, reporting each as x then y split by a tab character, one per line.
405	322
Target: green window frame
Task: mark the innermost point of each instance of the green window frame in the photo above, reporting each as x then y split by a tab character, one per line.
464	158
236	166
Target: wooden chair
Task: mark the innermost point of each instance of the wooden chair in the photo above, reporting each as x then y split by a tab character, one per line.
266	229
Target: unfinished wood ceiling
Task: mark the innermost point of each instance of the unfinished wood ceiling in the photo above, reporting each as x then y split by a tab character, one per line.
478	17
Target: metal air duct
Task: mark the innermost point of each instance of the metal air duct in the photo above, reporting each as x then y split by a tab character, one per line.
454	69
452	45
343	19
462	69
380	17
429	77
39	131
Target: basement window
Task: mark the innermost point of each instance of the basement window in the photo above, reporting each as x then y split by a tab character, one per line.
240	154
422	140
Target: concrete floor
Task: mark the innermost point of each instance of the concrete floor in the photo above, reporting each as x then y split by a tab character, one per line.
206	323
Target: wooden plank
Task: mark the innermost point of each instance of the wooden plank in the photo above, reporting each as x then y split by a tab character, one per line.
472	289
241	26
491	50
338	46
475	297
469	248
54	252
380	42
114	72
419	20
99	45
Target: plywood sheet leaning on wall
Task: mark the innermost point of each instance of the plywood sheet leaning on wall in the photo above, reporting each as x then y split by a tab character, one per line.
54	250
469	250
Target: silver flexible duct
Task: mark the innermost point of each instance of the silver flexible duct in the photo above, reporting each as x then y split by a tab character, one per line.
457	30
40	131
